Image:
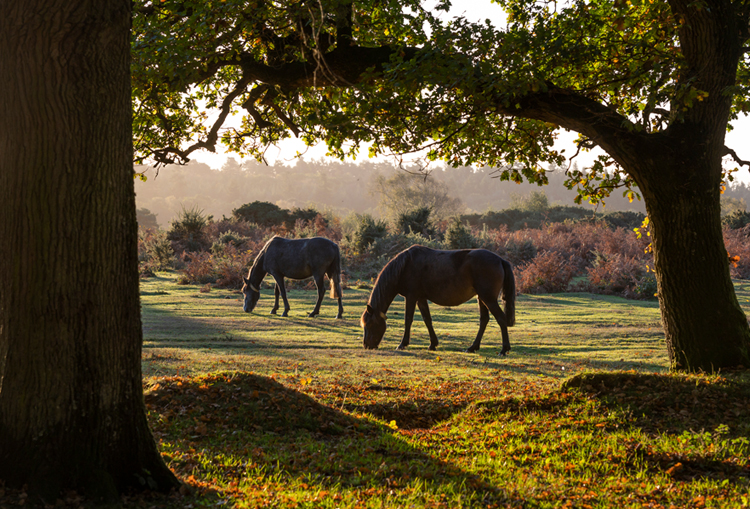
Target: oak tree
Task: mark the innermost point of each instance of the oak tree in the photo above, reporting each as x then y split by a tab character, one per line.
654	84
71	401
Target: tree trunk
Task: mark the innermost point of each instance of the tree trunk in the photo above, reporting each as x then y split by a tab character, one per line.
704	325
71	402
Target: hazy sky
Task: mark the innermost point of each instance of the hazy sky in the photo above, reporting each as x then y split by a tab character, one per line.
477	10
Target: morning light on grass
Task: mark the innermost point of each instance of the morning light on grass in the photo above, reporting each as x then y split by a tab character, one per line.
257	410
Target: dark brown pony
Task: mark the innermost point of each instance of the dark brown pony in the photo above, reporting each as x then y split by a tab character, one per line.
447	278
295	259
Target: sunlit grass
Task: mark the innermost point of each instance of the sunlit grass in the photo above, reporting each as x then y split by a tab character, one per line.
321	422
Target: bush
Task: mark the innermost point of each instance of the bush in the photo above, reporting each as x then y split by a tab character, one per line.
262	213
519	252
549	272
736	220
616	274
154	251
230	238
536	201
198	268
624	219
308	215
231	267
458	236
368	231
146	219
646	287
187	232
416	221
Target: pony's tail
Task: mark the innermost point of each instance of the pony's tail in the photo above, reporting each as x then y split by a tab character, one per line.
509	293
335	276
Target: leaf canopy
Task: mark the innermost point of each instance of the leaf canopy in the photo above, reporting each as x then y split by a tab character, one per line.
397	77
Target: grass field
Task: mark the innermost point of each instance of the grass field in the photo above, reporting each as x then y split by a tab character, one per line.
256	410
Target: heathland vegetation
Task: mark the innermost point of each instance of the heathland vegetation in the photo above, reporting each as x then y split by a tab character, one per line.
553	248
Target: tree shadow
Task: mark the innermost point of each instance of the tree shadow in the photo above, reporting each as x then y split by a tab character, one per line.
268	428
711	412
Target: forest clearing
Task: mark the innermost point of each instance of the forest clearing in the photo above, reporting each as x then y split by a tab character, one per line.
257	410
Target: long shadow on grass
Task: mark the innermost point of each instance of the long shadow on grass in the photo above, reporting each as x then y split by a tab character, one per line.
245	428
712	413
568	354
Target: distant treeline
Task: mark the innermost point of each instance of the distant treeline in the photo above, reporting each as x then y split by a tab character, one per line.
518	219
337	186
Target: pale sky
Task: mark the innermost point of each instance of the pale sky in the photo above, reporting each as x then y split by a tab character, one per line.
477	10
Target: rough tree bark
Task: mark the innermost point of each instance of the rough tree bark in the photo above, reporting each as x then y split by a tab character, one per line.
71	405
679	173
704	325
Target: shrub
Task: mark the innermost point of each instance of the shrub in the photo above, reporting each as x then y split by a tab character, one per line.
624	219
187	232
536	201
492	239
368	231
146	219
519	251
231	267
416	221
646	287
458	236
549	272
198	268
229	238
308	215
736	220
262	213
240	229
616	274
155	250
391	245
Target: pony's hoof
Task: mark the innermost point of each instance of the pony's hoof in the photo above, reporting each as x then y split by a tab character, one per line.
401	347
285	314
432	348
312	315
273	312
339	316
471	349
504	353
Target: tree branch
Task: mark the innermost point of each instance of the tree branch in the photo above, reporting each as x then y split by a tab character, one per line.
606	128
729	152
163	157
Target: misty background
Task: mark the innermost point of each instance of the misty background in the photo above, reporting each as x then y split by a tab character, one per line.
338	187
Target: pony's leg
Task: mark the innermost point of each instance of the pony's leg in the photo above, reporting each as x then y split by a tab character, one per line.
276	299
321	291
338	290
502	321
424	310
281	289
484	319
411	304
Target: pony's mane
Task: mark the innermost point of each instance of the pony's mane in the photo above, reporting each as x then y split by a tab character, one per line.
383	292
261	254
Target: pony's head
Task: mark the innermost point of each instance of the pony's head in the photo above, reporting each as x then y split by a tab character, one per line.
251	294
373	322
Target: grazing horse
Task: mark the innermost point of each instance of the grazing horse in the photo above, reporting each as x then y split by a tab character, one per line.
295	259
447	278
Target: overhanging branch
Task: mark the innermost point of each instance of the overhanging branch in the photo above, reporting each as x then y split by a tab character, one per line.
729	152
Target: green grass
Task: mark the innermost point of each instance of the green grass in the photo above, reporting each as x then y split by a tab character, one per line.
255	410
